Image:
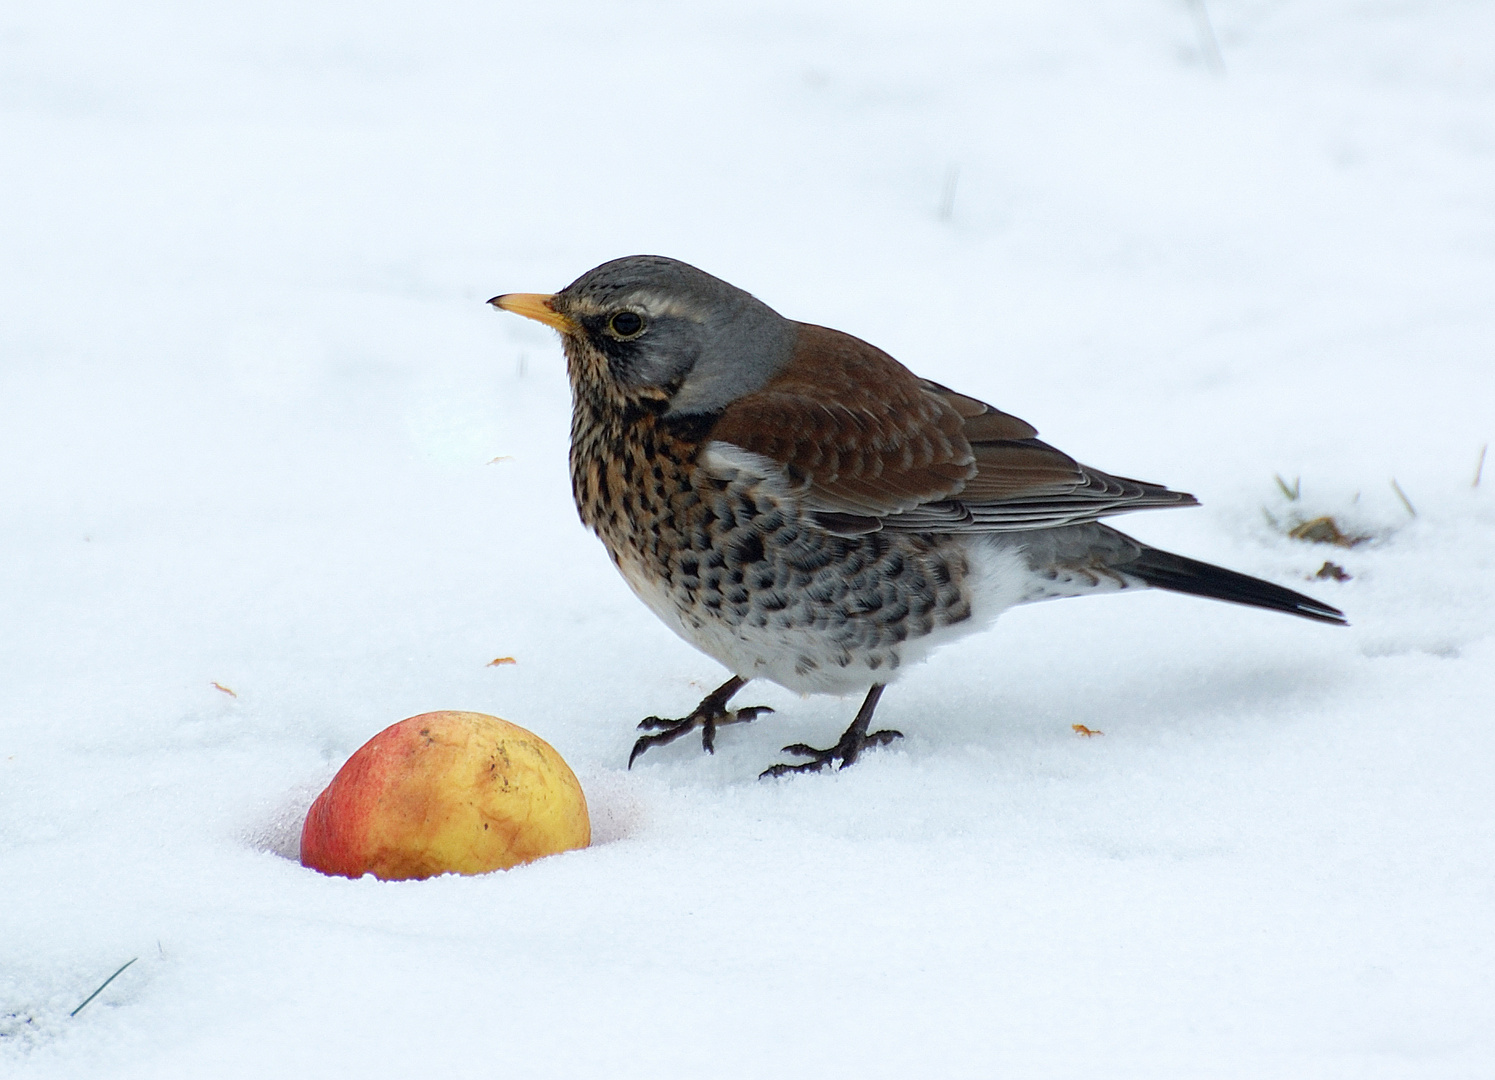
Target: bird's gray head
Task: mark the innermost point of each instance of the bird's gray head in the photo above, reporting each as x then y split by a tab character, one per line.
661	329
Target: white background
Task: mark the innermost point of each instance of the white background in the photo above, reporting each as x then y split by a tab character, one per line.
249	396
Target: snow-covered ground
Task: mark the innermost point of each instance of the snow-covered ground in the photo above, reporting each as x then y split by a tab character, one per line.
250	402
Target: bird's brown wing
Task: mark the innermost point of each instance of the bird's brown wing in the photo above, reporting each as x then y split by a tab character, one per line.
869	445
855	426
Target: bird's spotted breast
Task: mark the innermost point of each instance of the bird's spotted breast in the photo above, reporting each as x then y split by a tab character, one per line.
731	564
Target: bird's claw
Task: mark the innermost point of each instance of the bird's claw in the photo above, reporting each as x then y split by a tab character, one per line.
708	720
846	752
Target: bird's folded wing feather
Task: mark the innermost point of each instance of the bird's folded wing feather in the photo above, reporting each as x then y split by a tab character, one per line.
867	445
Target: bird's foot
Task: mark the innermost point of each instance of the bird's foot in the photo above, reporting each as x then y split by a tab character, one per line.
846	752
708	716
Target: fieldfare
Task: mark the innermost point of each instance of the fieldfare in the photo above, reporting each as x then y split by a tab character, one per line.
801	507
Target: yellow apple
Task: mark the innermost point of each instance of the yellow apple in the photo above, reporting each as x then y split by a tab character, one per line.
445	792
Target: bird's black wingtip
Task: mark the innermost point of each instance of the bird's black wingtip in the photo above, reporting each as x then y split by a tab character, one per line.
1164	570
1322	613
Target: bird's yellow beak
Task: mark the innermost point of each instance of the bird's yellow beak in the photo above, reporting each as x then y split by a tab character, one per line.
537	306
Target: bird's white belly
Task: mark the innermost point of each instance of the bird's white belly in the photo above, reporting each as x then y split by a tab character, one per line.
808	658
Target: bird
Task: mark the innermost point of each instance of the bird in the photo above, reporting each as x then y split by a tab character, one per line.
798	505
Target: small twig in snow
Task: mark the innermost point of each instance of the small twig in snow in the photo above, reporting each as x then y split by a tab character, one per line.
1402	495
103	984
1293	492
1480	468
947	197
226	690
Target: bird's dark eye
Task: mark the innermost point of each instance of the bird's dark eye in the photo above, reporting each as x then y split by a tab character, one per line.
626	324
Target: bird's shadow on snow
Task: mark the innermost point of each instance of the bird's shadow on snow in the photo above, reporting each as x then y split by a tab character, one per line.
1183	696
1154	704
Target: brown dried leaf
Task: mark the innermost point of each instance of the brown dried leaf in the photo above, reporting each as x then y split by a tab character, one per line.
1324	530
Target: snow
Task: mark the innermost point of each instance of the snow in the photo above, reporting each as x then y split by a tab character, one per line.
251	401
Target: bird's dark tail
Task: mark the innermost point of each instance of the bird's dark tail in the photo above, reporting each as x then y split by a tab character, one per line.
1175	573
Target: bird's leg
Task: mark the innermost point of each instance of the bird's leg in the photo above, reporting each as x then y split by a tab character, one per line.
853	741
711	712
